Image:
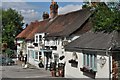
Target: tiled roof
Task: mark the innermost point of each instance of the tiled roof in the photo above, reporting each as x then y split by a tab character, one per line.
35	27
27	30
65	25
95	41
39	28
62	25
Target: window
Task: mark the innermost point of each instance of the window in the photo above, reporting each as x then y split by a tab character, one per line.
54	47
36	39
35	44
32	53
89	61
40	38
64	43
36	55
40	55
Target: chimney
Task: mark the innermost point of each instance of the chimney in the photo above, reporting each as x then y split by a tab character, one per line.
53	9
45	15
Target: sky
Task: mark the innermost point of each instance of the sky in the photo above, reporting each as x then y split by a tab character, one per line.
32	11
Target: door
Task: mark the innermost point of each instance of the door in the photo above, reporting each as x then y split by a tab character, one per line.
48	56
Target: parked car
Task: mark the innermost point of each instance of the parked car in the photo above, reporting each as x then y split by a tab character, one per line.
6	61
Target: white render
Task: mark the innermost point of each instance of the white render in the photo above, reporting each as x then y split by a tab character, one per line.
19	47
73	72
31	51
41	46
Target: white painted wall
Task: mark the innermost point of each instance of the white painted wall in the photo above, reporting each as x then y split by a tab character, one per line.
32	60
72	72
19	47
60	49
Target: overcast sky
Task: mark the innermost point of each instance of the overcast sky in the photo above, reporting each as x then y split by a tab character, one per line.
33	10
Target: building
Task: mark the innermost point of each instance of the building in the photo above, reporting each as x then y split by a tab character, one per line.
59	33
46	39
93	55
27	42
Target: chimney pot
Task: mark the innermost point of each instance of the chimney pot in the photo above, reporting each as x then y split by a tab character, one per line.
53	9
45	15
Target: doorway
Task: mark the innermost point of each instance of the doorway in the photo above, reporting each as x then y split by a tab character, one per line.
48	57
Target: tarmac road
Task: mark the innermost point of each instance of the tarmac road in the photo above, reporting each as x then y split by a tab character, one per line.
16	71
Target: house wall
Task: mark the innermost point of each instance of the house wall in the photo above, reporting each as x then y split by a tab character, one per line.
60	47
59	51
31	51
75	72
19	47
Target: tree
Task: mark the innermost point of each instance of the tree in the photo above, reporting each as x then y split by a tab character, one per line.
106	19
106	16
12	23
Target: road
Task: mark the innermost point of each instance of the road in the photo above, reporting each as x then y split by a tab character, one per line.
18	72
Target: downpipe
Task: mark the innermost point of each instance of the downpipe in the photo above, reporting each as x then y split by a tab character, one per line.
110	66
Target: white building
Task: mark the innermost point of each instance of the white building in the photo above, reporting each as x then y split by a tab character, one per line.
47	38
93	55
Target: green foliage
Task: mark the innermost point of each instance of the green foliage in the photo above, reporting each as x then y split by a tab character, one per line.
9	52
12	23
106	19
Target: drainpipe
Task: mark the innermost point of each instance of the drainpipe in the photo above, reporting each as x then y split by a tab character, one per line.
110	71
109	55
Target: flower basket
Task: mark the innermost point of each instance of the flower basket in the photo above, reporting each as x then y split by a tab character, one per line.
86	70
